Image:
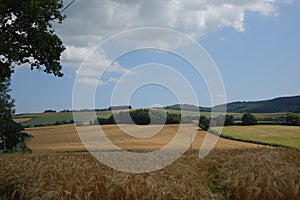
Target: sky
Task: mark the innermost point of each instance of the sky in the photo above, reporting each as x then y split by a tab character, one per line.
253	47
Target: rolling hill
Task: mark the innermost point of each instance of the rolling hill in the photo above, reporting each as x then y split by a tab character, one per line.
281	104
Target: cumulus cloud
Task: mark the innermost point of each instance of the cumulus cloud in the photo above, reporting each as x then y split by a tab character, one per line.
89	22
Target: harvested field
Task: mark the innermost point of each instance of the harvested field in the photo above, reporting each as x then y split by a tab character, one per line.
21	120
65	138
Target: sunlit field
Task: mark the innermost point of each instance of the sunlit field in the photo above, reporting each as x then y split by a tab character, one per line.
60	168
65	138
270	134
255	173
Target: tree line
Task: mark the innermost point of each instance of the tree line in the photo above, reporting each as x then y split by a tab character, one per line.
140	117
247	119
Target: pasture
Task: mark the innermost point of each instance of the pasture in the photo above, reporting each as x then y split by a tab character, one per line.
270	134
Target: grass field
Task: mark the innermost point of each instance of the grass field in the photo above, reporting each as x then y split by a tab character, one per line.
270	134
51	118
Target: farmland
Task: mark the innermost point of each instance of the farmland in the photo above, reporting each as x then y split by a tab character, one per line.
65	138
46	119
270	134
256	173
60	167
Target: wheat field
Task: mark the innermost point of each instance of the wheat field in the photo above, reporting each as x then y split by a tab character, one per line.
257	173
232	170
65	138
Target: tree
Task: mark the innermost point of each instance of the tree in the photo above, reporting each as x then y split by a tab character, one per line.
6	104
228	120
10	134
26	36
220	120
292	119
249	119
204	123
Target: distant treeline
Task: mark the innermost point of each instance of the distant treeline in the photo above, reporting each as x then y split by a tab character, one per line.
58	122
139	117
281	104
91	110
247	119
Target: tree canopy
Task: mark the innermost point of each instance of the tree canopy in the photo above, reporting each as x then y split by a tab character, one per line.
27	35
249	119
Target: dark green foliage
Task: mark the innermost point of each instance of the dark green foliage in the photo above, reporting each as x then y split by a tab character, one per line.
204	122
249	119
50	111
27	36
27	32
10	134
118	108
282	104
141	117
228	120
173	118
220	120
292	119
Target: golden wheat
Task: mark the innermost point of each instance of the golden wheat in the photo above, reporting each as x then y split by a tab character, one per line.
271	173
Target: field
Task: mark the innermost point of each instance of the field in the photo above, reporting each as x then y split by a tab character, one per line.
59	168
270	134
257	173
36	119
65	138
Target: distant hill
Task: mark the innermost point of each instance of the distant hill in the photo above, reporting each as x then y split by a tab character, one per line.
281	104
188	107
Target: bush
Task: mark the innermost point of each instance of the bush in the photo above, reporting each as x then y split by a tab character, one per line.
249	119
204	122
220	120
292	119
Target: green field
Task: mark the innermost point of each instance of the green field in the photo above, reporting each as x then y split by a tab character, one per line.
269	134
52	118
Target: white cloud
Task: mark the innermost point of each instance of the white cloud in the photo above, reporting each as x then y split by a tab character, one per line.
89	22
94	81
90	63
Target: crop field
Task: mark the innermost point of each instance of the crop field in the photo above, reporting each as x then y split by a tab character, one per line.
59	168
255	173
271	134
65	138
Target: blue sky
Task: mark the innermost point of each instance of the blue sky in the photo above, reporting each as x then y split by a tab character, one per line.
257	54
